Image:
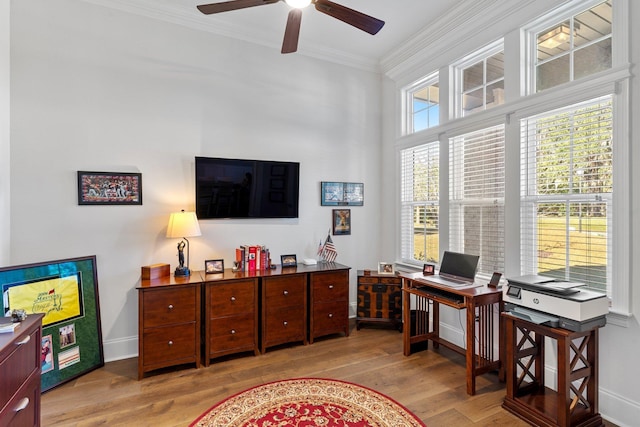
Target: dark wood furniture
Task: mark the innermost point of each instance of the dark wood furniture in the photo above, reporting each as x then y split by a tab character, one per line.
328	303
169	322
234	312
575	402
379	299
231	315
483	332
20	366
284	309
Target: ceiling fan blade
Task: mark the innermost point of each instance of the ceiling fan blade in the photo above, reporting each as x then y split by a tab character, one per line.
352	17
225	6
292	32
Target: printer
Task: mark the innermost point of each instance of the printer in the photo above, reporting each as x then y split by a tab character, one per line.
556	303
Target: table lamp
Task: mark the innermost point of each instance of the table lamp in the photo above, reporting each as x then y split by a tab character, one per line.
182	225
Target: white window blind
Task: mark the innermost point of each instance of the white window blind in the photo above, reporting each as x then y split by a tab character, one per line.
476	193
420	203
566	193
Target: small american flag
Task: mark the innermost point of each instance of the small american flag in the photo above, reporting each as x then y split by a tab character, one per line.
330	253
320	248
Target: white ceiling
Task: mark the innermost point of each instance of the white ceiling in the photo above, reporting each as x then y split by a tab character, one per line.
320	35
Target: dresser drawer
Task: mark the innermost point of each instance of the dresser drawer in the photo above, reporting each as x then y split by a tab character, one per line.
169	306
330	316
377	279
232	298
284	291
330	286
170	343
284	325
23	409
232	333
20	362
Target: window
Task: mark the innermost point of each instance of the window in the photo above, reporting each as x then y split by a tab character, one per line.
420	203
423	101
566	193
573	48
476	196
480	81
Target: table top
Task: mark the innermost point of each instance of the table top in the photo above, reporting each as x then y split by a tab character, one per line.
468	291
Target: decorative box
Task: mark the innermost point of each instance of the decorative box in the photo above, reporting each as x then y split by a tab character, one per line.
155	271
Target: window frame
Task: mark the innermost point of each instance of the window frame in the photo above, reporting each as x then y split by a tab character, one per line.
407	95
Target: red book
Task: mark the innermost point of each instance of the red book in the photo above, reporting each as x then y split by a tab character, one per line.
252	258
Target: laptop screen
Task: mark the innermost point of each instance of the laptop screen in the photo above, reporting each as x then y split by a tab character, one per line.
460	265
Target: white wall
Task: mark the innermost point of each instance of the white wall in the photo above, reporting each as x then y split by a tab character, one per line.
5	98
101	90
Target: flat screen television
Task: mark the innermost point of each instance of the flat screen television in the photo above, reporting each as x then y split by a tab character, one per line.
239	188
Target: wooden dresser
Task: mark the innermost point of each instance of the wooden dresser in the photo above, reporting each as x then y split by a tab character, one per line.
168	322
20	367
284	309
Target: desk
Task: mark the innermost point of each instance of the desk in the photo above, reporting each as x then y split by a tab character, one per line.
575	403
483	306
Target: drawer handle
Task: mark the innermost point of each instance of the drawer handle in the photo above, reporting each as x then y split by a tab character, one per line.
285	293
330	315
285	323
233	298
24	340
170	306
22	404
330	286
170	343
233	331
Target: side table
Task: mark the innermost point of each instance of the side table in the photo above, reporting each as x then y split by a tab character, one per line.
379	299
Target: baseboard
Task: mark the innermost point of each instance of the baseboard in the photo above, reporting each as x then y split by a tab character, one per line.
617	409
124	348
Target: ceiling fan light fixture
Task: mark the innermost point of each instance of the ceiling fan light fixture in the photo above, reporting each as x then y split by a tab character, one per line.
299	4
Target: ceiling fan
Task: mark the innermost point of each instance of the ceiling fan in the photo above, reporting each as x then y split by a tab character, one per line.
352	17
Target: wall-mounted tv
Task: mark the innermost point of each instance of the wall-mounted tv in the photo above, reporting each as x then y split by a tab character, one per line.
240	188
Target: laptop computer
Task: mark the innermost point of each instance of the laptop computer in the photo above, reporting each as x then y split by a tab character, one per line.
456	270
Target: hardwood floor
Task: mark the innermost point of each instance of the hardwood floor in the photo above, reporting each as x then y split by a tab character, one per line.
431	384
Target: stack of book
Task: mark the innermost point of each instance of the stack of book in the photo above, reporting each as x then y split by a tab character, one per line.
253	258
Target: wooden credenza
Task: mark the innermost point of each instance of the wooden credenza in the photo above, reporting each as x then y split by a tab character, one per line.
204	316
20	370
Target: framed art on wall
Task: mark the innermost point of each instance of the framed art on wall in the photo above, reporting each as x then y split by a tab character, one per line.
341	193
66	291
341	222
109	188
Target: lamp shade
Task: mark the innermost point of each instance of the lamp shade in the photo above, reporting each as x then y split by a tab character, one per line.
183	224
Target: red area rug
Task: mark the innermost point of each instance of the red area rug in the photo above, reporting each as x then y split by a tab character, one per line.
308	402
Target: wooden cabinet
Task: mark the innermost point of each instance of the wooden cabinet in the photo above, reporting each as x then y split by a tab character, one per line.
284	309
20	373
328	303
169	323
379	299
231	313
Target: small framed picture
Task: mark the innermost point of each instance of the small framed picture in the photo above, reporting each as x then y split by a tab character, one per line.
386	268
213	266
341	222
428	269
288	261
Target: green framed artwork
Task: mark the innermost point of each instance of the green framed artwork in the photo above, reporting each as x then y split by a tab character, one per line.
66	291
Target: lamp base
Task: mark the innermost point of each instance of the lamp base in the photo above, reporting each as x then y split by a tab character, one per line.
182	271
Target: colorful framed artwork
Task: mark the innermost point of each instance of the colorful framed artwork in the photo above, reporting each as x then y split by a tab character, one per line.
341	193
288	261
386	268
66	291
341	222
109	188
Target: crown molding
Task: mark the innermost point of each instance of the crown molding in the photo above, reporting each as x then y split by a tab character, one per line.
197	21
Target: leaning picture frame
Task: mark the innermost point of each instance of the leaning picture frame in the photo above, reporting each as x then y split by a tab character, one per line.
288	261
67	292
109	188
214	266
341	193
